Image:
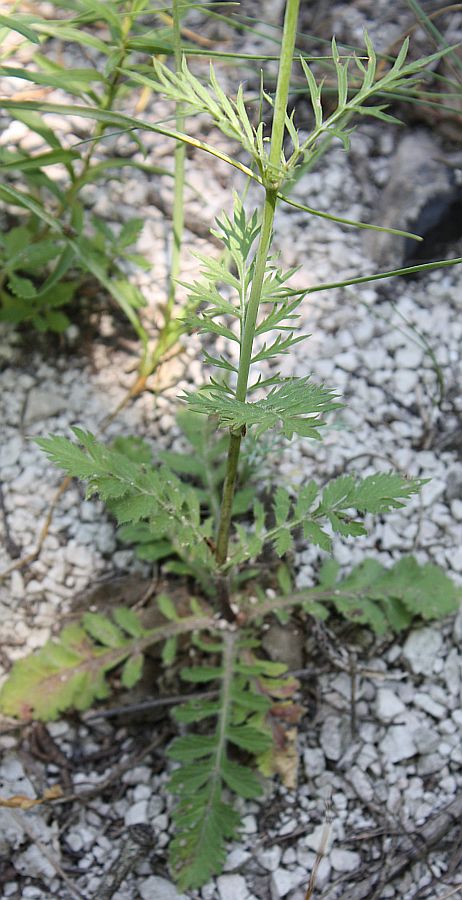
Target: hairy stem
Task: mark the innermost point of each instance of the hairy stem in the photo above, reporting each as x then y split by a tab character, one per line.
264	244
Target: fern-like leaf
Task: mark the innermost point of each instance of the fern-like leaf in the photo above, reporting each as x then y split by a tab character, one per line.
70	671
391	598
203	819
294	405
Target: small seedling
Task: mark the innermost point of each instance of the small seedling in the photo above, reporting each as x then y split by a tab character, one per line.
188	510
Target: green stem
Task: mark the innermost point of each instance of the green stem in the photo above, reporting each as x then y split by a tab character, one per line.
169	332
283	83
180	154
277	137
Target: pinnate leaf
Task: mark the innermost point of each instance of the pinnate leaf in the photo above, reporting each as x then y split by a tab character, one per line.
132	670
103	630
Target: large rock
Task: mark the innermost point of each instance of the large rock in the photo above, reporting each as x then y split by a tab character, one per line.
417	196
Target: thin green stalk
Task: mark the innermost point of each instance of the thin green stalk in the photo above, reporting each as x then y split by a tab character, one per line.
180	154
275	179
168	335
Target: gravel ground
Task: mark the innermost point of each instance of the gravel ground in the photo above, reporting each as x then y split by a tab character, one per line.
386	762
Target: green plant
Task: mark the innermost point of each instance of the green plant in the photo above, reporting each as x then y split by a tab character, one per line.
58	245
163	505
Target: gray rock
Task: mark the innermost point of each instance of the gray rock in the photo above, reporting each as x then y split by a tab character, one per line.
430	706
454	483
34	864
426	740
406	380
456	559
236	859
156	888
428	765
284	643
137	814
232	887
285	880
432	491
74	841
314	839
11	451
335	736
79	556
270	858
421	649
453	671
388	705
314	762
417	176
344	860
42	404
137	775
458	627
13	781
409	357
249	825
398	743
362	784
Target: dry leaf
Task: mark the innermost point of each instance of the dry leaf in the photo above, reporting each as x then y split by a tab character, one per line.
18	801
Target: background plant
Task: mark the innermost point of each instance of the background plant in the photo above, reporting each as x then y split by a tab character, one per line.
251	306
58	245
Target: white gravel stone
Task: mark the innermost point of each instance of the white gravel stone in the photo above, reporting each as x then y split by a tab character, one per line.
285	880
42	404
78	556
34	864
17	585
232	887
249	825
156	888
428	765
313	840
388	705
74	840
270	857
409	357
456	510
425	739
362	784
137	775
458	627
141	792
421	649
137	814
334	737
405	380
456	559
453	671
314	762
236	859
431	491
437	710
348	361
344	860
398	744
10	451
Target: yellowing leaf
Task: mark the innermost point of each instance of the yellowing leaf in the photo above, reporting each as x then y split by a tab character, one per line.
19	801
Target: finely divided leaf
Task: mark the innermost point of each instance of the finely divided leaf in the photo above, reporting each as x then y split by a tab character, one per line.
294	405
